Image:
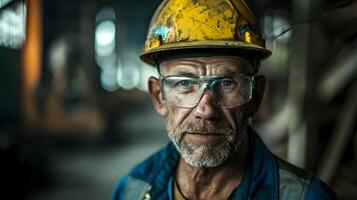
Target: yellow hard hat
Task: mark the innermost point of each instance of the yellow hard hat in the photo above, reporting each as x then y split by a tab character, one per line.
203	24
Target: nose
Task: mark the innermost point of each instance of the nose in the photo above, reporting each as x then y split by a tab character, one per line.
206	108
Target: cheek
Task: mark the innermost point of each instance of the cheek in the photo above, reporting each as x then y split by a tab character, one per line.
175	118
178	115
235	118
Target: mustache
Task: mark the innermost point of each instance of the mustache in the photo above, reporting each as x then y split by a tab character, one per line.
206	127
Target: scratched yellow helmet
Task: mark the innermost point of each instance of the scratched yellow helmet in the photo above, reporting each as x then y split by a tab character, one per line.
186	25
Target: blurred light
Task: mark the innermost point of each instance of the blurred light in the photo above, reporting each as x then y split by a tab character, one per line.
4	2
105	62
57	55
105	38
128	77
105	33
105	51
145	72
108	79
13	26
276	26
280	25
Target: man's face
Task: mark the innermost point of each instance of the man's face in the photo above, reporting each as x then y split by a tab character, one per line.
206	135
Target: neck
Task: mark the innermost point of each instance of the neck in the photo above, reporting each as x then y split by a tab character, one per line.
212	183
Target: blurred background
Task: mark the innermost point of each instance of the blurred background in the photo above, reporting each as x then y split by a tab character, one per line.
75	114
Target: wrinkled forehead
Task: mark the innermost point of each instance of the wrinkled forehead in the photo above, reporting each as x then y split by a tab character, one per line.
212	65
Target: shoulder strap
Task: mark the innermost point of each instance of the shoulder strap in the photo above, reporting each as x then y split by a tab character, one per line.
137	189
293	181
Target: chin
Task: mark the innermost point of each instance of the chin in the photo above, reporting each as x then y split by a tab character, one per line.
206	156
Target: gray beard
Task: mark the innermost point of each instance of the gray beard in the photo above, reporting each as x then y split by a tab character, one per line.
204	155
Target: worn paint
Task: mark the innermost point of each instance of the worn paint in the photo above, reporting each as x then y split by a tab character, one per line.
203	23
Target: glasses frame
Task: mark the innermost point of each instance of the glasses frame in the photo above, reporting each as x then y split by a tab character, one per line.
207	83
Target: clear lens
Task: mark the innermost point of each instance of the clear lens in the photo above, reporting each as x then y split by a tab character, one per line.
228	91
181	91
233	91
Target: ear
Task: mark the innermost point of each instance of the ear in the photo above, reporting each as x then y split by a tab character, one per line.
258	93
155	94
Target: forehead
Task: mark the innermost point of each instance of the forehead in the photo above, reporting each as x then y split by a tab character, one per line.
207	65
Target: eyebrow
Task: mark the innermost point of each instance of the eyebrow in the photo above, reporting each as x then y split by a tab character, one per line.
230	69
234	66
189	74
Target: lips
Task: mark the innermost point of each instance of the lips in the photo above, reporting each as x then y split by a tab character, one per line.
204	138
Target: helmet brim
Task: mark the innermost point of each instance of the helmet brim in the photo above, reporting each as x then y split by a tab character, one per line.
151	56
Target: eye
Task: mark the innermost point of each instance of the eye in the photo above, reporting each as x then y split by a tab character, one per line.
184	83
227	83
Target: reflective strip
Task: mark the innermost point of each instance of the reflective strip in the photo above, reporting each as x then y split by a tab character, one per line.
137	189
293	182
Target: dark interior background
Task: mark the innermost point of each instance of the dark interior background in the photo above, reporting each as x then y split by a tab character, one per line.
75	114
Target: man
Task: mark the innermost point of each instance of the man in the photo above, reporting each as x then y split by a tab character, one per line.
208	54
